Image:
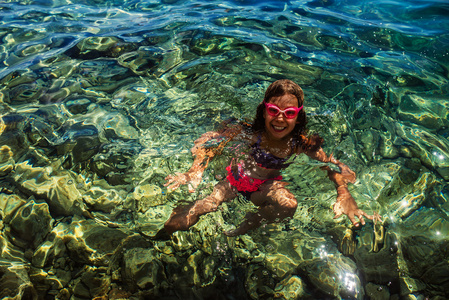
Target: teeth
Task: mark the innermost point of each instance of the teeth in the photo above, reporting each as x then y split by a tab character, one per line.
278	128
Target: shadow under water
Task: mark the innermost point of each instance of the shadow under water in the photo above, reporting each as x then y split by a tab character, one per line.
100	101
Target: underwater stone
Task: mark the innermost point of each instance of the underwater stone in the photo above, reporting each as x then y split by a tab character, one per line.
291	287
42	254
410	285
344	238
323	278
89	242
119	127
331	84
195	267
49	282
27	93
59	190
387	147
405	191
78	106
369	139
259	284
85	148
414	201
142	270
78	251
79	242
102	198
115	161
280	264
246	249
102	239
15	282
6	160
142	61
152	221
425	244
377	292
437	275
378	267
13	137
333	273
31	223
94	282
147	196
9	204
98	46
182	241
11	252
429	113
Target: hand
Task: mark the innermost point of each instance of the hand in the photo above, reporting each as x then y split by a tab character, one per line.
193	179
346	205
346	174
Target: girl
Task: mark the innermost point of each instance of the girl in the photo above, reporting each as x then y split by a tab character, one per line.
277	134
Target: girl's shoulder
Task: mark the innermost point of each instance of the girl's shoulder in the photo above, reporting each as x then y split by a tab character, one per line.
236	129
308	143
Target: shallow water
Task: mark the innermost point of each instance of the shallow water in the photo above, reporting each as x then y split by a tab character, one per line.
101	100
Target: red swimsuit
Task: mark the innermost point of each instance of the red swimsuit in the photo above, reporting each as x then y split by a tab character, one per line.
245	183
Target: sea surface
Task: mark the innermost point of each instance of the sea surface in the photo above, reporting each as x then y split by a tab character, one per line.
101	100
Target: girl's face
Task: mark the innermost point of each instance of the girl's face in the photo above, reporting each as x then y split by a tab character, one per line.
279	127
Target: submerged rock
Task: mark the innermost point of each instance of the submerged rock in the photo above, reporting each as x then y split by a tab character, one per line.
377	292
31	224
15	282
143	270
6	160
59	189
290	288
381	266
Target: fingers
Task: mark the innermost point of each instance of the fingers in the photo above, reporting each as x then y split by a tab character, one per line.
362	220
325	168
231	233
173	186
174	181
360	214
191	188
375	217
353	221
169	180
337	216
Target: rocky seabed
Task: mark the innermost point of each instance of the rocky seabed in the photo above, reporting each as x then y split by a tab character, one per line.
84	153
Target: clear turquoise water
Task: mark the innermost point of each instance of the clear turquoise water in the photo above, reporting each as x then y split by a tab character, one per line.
100	100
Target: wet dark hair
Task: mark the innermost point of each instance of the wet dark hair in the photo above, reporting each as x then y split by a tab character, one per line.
279	88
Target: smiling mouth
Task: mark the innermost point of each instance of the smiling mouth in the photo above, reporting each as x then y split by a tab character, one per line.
278	128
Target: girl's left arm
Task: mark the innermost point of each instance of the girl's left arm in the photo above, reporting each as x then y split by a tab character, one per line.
345	203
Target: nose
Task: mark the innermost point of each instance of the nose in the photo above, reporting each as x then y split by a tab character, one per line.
280	116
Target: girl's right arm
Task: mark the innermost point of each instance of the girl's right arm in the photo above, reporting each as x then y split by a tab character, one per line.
203	154
194	175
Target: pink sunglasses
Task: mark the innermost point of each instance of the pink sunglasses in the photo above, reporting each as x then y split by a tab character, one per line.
289	113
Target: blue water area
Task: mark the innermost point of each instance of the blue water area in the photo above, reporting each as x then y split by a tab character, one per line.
101	100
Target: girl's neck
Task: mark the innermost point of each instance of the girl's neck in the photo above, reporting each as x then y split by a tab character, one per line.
283	146
271	141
